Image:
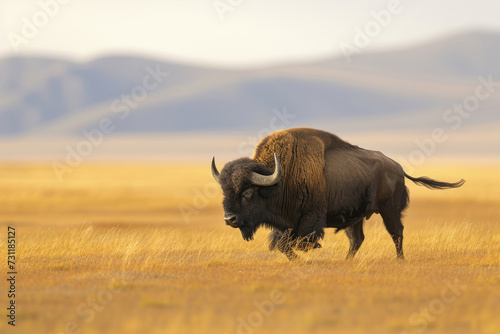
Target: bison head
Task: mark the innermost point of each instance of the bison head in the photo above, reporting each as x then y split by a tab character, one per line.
248	187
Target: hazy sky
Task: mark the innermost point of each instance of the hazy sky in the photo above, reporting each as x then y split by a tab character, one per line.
252	32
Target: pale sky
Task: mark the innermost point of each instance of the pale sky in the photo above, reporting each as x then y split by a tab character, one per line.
252	33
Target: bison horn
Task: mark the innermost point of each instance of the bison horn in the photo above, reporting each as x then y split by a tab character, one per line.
268	180
215	172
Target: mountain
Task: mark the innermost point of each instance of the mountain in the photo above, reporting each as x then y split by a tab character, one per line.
37	91
464	55
402	89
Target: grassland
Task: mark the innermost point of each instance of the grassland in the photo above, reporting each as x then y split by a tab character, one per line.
143	249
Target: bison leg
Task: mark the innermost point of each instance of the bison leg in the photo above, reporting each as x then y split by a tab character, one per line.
285	244
310	230
393	224
302	244
307	243
356	238
274	238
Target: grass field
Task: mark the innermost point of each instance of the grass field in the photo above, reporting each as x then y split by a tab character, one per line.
143	249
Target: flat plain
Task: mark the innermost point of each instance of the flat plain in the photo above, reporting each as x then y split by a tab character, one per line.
142	248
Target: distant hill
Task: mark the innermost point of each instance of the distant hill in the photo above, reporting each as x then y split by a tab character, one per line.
43	96
37	91
464	55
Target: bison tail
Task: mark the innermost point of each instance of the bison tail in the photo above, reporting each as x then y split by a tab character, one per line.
433	184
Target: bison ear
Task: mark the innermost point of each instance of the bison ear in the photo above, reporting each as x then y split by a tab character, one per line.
269	191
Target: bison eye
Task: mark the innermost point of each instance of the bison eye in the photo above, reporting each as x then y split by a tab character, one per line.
248	193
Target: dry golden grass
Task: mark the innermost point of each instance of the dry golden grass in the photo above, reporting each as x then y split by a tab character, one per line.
109	251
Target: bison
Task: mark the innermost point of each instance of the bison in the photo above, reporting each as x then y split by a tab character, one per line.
302	180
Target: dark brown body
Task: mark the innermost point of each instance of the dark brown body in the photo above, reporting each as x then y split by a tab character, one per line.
326	182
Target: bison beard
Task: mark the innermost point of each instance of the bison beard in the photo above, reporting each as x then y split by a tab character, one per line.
301	181
247	232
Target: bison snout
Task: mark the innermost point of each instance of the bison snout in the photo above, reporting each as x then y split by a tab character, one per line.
231	220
